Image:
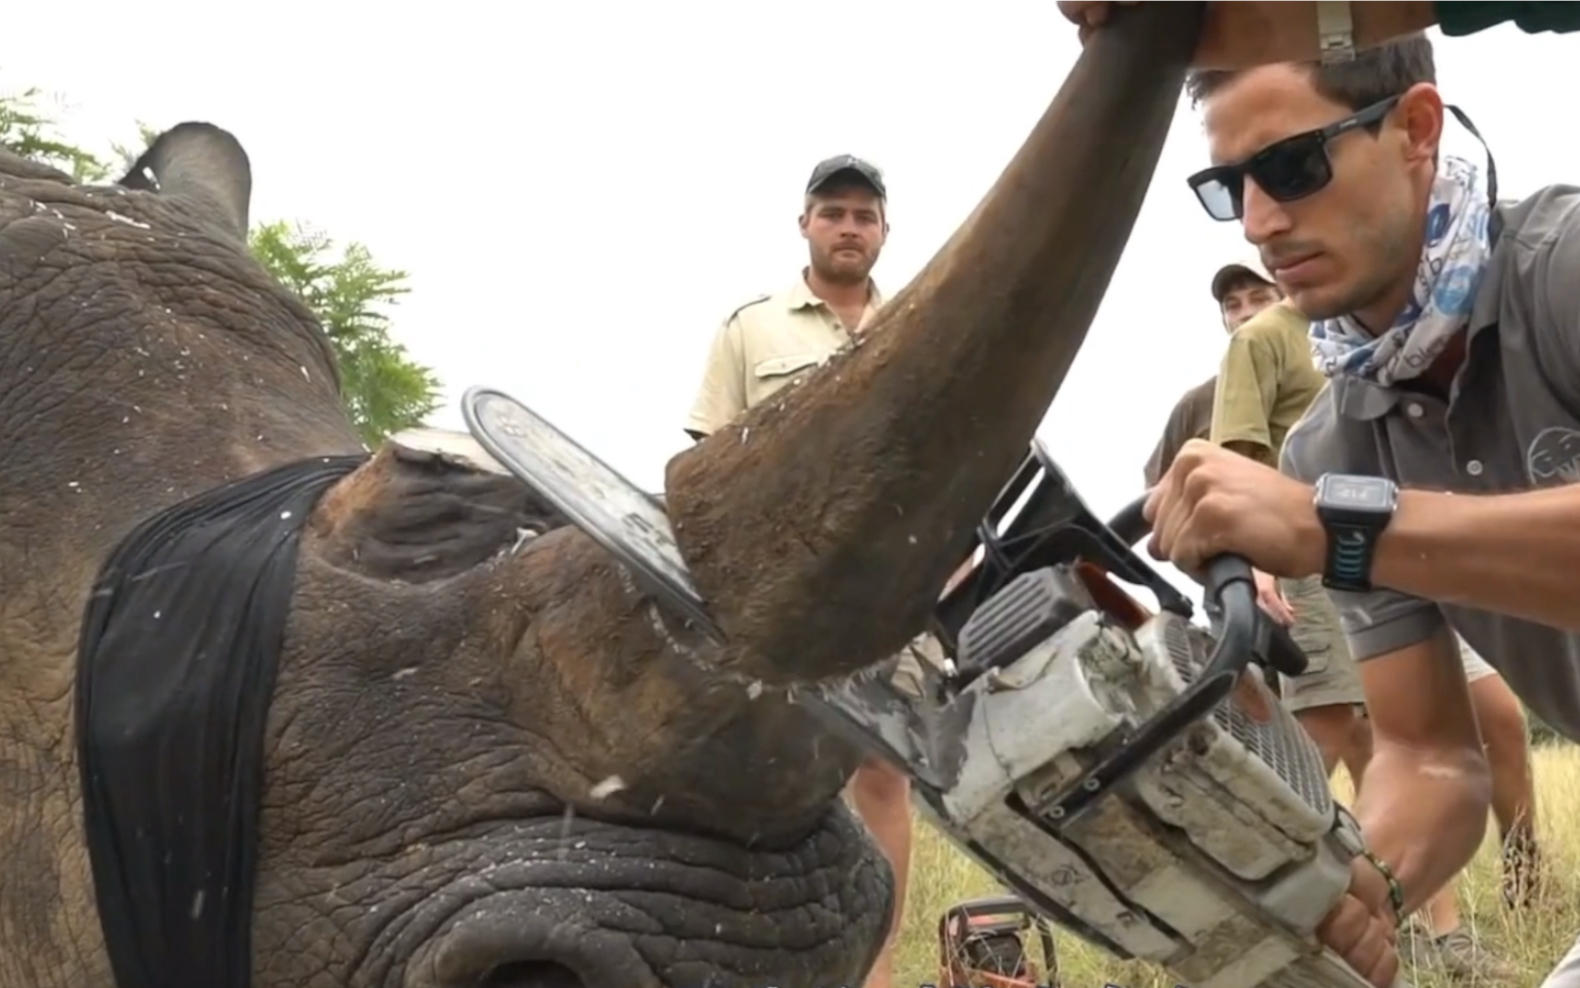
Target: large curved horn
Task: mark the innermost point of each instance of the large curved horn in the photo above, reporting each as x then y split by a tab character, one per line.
821	525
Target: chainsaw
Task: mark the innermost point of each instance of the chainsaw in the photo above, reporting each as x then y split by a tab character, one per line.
982	944
1084	750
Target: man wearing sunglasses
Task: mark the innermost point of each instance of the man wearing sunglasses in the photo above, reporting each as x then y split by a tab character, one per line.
1431	483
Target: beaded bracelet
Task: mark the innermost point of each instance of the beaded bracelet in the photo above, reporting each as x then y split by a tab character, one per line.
1395	890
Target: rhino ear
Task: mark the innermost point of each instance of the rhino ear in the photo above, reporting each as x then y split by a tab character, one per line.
423	514
204	164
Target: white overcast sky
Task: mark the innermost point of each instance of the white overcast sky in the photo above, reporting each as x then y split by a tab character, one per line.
581	195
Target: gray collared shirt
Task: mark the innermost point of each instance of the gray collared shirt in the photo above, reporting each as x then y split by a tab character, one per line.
1512	423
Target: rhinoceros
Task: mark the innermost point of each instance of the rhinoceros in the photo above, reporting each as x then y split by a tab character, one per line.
426	733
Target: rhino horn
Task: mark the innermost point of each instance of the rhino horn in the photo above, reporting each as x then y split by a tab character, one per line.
822	524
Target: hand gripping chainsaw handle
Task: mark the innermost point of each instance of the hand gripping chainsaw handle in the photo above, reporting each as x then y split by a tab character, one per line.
1245	633
1231	586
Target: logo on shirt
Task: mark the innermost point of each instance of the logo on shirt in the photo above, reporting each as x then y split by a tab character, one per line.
1554	457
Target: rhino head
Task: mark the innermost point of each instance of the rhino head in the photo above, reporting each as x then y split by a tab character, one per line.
492	759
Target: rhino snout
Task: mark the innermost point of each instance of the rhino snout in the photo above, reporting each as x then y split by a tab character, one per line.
557	904
515	944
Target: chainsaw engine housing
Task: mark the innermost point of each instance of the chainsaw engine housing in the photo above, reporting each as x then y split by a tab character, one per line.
1217	857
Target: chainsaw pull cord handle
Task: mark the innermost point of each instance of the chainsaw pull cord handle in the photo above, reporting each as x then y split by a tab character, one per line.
1244	634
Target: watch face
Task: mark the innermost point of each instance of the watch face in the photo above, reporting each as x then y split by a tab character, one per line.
1357	493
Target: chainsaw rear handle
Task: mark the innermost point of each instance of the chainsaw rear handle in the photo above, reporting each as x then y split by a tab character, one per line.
1232	586
1245	634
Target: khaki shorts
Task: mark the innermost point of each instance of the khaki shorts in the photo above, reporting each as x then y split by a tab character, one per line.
904	672
1333	678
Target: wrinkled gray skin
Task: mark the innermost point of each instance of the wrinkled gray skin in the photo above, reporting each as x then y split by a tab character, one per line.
450	698
441	700
427	734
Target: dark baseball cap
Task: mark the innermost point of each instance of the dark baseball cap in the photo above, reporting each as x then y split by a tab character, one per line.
828	168
1249	266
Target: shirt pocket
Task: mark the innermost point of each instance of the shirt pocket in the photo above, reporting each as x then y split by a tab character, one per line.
784	366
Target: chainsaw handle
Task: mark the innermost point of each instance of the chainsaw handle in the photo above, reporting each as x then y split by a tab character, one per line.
1232	586
1131	526
1245	633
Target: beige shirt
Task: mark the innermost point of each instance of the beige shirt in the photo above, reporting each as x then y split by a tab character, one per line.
765	345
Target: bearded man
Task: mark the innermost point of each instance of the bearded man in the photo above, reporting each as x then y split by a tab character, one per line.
774	340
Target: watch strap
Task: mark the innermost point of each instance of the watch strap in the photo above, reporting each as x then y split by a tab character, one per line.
1335	31
1348	565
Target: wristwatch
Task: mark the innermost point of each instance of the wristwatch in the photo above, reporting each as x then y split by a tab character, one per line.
1354	511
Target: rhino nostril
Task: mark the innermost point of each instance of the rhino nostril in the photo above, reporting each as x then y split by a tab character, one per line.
532	974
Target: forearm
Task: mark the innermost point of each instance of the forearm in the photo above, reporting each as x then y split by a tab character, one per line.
1514	554
1407	794
1460	18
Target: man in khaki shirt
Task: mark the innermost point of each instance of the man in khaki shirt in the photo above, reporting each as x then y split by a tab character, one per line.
1241	291
773	341
1266	381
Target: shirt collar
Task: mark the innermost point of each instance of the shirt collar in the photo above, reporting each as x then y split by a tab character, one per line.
800	295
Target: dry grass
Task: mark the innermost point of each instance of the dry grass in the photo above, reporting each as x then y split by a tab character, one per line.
1533	939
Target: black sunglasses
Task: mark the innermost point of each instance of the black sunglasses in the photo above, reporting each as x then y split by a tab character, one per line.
1290	169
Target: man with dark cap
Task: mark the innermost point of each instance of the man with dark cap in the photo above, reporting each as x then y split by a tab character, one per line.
1265	382
1242	290
775	340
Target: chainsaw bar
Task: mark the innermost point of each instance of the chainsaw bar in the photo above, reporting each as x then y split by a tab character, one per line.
626	520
